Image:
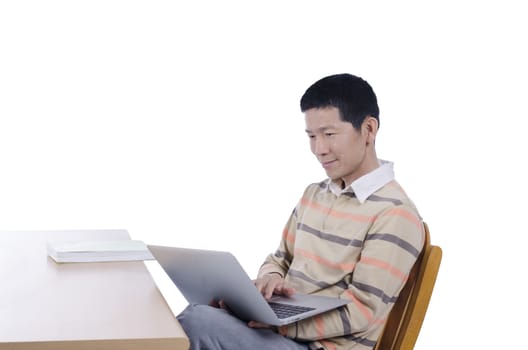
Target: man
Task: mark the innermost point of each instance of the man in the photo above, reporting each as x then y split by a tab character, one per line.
355	235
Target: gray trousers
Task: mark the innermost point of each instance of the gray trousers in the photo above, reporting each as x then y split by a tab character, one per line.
210	328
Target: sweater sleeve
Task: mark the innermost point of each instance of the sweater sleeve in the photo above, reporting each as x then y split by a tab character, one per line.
390	249
279	262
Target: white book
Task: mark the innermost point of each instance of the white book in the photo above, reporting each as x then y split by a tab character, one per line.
98	251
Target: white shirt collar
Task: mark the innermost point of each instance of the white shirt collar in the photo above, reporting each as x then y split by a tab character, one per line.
368	183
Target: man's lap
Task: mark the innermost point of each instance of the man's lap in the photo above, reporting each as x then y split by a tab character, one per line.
215	329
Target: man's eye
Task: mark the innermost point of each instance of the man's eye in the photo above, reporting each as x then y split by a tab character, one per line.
311	136
330	133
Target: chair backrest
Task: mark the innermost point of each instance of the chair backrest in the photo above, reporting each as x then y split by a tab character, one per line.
406	318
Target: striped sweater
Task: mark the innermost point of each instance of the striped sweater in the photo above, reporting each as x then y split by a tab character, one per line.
341	246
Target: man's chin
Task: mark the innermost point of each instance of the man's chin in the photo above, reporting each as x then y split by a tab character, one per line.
332	175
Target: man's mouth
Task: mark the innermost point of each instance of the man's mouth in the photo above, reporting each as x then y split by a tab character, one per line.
328	163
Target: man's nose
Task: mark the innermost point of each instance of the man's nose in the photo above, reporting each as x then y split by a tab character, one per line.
320	146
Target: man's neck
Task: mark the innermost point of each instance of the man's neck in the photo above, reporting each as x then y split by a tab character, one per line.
371	163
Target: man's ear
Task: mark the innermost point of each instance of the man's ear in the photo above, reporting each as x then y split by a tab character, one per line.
370	126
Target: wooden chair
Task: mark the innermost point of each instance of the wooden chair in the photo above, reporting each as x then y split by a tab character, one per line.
406	318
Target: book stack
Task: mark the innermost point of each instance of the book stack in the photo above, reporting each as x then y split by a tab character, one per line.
98	251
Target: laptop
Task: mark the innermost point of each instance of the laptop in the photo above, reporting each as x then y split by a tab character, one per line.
206	275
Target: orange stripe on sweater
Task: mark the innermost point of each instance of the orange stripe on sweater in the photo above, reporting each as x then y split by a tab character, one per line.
319	325
288	236
362	308
385	266
320	260
328	345
337	214
380	321
406	215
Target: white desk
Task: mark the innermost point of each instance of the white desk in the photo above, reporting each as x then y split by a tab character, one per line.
112	305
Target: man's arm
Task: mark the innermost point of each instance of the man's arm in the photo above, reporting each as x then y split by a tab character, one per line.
391	247
271	274
279	262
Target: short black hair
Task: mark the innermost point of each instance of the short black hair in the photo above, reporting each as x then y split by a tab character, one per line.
351	95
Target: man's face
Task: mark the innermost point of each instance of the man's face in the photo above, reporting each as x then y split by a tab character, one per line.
339	147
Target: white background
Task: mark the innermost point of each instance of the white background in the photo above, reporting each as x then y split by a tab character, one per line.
179	121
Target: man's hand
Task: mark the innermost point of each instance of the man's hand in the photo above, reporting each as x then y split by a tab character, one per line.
258	325
219	304
273	283
255	324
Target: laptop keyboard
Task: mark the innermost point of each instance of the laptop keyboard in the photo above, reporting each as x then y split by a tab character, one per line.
287	310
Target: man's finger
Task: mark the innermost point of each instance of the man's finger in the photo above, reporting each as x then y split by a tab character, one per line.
255	324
